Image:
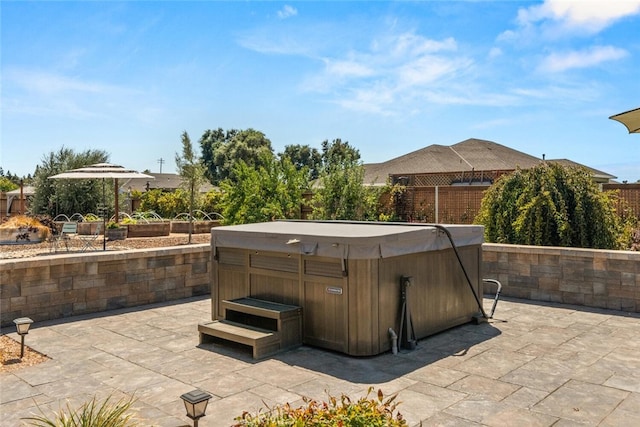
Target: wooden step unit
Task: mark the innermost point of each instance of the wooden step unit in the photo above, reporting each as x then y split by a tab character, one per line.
266	326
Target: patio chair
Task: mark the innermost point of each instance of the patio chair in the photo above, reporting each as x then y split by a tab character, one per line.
69	231
89	240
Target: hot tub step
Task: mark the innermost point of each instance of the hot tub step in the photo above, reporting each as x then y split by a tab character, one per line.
263	342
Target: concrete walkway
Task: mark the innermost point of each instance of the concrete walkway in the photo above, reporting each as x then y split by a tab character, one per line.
533	365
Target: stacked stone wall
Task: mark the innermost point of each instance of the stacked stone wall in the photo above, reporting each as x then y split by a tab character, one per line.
593	278
57	286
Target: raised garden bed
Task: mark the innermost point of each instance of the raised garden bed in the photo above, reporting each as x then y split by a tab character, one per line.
151	229
21	235
199	227
89	227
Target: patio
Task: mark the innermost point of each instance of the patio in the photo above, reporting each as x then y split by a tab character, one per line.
534	364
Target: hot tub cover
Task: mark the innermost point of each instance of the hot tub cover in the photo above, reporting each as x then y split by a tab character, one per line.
346	240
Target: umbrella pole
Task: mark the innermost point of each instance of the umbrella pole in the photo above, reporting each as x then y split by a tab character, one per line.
115	186
104	217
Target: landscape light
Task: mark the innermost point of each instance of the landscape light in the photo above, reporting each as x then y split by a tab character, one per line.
22	325
195	402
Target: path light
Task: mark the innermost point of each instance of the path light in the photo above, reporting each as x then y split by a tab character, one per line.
195	402
22	325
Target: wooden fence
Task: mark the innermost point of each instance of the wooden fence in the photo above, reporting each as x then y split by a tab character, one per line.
460	204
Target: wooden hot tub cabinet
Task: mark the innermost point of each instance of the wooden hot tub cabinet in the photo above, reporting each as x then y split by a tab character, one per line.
346	277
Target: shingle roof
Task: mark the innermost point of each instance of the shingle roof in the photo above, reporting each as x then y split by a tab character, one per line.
598	175
165	181
471	154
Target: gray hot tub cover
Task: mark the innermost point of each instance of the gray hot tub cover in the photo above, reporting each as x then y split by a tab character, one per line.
346	240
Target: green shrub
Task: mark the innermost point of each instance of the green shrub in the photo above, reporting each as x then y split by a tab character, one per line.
90	414
553	205
91	217
342	412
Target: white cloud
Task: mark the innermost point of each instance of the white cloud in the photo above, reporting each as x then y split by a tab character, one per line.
347	68
589	16
49	83
409	44
427	69
287	12
495	52
280	44
42	93
395	68
558	62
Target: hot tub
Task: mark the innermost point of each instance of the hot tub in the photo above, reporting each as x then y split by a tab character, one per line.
354	282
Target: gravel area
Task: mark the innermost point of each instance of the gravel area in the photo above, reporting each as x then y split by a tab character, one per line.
10	355
45	248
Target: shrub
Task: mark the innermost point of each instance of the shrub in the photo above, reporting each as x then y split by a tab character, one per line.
112	225
90	414
552	205
366	412
91	217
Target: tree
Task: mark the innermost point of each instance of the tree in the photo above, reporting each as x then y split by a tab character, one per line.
552	205
340	193
304	156
221	150
54	196
167	204
191	169
270	191
6	184
338	153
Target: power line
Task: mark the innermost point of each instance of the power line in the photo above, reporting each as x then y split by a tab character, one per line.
161	161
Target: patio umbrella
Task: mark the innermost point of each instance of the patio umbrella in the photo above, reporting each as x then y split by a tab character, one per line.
631	119
103	171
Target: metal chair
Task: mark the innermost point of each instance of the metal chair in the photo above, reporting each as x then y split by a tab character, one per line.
69	231
89	240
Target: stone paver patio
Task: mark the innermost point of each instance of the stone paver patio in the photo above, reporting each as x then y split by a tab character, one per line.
534	364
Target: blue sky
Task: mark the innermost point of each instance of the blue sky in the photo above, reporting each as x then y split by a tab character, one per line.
389	77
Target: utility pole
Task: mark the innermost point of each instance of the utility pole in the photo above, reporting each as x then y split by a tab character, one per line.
161	161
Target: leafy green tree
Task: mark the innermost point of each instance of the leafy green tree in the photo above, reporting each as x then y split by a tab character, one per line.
340	193
56	196
15	179
304	156
221	150
552	205
167	204
271	191
6	184
192	172
211	202
338	153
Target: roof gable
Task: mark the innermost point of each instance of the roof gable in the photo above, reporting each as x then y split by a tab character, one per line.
469	155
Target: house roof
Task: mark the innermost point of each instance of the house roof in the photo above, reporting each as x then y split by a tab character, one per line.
598	175
27	190
469	155
165	181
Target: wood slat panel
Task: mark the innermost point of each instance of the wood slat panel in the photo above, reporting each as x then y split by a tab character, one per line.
277	289
363	308
325	316
323	268
231	285
275	262
231	256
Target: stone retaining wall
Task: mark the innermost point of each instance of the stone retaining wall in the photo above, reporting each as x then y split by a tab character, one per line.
594	278
56	286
